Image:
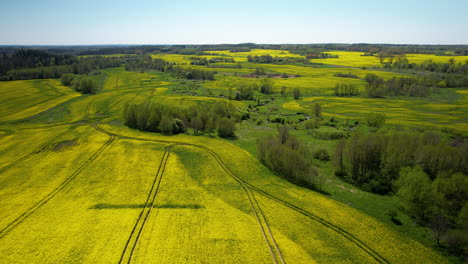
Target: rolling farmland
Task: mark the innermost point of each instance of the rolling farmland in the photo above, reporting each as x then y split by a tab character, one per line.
77	185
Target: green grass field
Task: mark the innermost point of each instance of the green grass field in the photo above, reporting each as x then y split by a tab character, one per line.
78	186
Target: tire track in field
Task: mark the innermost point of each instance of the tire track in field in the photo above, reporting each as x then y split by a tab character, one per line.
35	151
275	252
106	108
132	241
29	118
59	188
350	237
88	108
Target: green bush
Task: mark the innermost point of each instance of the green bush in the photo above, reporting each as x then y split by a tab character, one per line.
376	120
226	128
322	154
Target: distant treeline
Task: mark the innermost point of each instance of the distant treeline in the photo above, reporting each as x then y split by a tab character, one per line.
33	64
84	66
33	59
398	86
166	119
303	49
285	155
145	62
197	60
275	60
313	53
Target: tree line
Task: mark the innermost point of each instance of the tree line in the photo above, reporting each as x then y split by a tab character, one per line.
27	58
285	155
198	60
428	172
275	60
80	66
171	120
146	62
397	86
374	160
342	89
449	74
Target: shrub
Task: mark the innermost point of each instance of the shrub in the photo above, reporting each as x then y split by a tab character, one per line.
226	128
85	85
296	93
312	123
376	120
322	154
67	79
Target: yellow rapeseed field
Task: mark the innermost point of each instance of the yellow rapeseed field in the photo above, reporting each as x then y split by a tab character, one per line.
77	186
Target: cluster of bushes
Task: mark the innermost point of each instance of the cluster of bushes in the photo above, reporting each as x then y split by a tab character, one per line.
439	203
80	83
328	134
203	118
376	120
320	55
285	155
197	60
342	89
397	86
276	60
346	75
145	62
247	92
226	66
374	160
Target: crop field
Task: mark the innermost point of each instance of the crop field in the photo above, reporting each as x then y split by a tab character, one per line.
78	186
356	59
34	96
413	113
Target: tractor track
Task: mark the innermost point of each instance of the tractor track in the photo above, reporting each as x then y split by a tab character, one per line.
37	150
47	144
132	240
275	252
350	237
4	231
32	117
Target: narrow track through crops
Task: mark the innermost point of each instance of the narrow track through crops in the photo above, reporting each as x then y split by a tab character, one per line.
32	117
132	241
376	256
275	252
37	150
4	231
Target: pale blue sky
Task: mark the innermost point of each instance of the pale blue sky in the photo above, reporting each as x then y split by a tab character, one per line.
54	22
